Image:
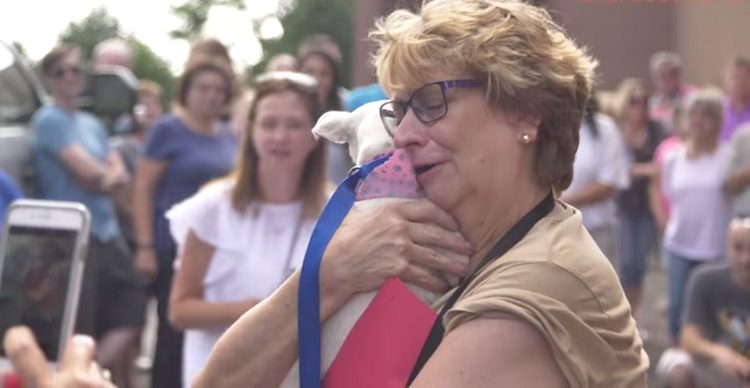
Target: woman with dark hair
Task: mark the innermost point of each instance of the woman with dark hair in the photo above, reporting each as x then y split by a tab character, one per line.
320	57
637	226
599	172
183	152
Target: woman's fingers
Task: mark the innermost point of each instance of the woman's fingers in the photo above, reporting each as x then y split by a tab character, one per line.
414	240
426	212
435	259
78	368
27	359
424	278
436	236
79	354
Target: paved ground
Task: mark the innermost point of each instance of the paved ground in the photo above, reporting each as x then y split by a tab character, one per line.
652	317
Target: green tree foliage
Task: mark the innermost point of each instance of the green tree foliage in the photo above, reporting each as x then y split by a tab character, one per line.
194	14
98	26
148	65
331	17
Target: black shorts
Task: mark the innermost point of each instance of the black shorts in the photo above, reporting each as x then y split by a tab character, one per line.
112	293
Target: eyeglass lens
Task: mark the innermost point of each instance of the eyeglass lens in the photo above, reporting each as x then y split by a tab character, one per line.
428	104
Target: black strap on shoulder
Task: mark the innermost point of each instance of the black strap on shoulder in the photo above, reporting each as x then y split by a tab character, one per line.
506	242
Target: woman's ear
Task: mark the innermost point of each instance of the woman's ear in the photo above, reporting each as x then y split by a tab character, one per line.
526	127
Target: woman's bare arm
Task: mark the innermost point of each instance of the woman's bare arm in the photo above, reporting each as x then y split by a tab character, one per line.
492	353
187	308
148	175
260	348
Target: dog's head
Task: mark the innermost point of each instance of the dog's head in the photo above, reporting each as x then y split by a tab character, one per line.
362	130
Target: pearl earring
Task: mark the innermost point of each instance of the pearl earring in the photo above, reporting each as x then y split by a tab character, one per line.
525	139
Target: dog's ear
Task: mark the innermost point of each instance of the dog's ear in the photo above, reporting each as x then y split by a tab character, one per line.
372	137
336	126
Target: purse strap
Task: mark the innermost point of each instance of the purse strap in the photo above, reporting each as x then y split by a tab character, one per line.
506	242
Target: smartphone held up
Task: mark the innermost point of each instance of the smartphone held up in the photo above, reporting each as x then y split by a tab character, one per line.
42	254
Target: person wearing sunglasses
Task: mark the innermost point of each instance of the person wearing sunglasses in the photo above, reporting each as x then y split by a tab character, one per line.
637	229
76	163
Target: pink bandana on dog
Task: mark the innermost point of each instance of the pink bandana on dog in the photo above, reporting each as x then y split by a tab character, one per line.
393	179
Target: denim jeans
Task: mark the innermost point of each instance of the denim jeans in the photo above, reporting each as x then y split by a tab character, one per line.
679	269
637	237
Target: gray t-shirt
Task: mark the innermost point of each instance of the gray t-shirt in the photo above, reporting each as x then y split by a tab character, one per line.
719	307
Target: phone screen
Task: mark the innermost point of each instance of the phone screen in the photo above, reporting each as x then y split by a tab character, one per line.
35	278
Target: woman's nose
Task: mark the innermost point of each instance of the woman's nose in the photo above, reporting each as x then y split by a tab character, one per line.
409	132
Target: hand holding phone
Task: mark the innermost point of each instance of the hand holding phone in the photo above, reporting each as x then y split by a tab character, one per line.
42	252
77	367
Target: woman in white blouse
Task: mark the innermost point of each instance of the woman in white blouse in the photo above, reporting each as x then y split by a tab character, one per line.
242	236
600	170
692	177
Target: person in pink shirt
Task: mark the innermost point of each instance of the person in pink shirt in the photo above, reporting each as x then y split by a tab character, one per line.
660	204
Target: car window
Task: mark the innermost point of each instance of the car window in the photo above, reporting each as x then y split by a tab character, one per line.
18	99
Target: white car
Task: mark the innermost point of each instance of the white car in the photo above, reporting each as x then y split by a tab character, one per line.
21	94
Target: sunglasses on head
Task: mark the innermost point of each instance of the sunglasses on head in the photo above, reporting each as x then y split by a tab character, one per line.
61	71
303	80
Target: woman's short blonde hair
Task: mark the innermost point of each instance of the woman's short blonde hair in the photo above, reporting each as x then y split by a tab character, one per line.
527	62
708	102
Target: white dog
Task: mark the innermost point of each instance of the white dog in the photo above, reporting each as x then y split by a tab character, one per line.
367	138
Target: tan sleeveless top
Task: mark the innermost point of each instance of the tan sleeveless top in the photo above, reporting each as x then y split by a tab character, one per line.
558	280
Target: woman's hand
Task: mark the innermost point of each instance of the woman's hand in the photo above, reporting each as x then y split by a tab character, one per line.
77	368
732	363
404	239
145	263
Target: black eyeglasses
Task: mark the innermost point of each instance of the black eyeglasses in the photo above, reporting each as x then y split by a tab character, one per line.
60	71
428	103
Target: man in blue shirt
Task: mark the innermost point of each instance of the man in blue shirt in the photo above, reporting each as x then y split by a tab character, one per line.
75	163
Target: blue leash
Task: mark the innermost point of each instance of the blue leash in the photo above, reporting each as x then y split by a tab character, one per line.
308	308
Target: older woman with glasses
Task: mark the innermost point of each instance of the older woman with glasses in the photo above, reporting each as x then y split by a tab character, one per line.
488	98
272	198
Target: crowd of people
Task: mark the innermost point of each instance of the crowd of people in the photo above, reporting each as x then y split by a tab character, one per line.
208	208
157	160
